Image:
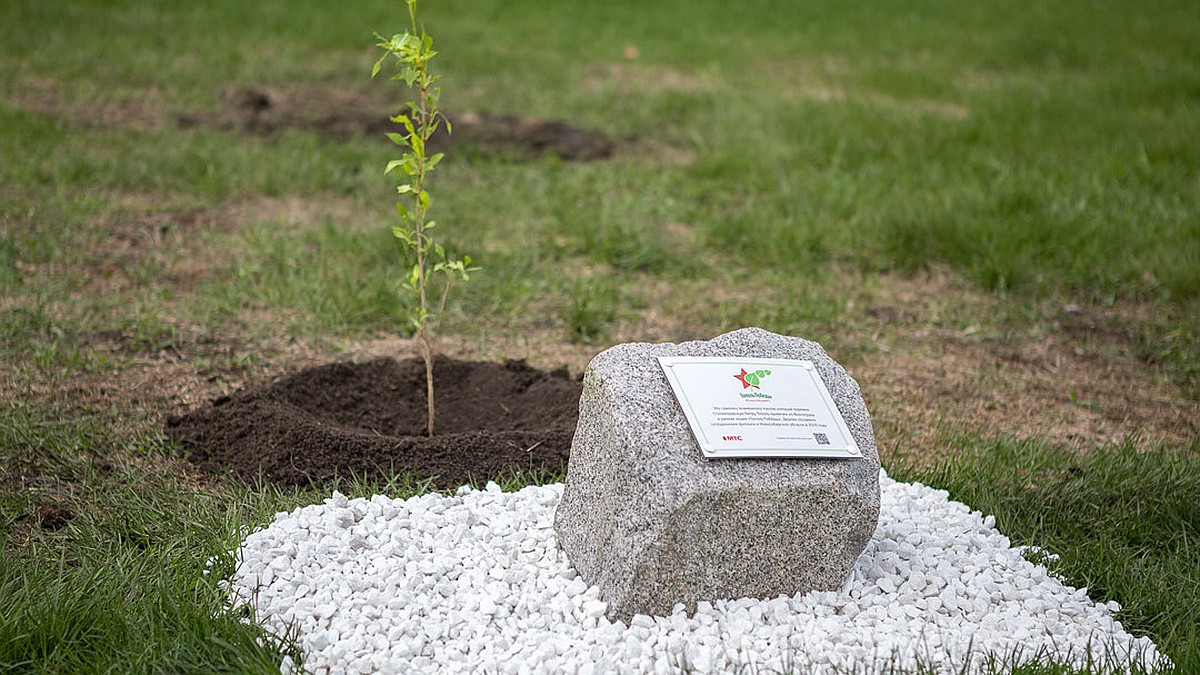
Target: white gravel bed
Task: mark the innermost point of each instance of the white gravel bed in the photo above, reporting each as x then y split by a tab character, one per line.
476	583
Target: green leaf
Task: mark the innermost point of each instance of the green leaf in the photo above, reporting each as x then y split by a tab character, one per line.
404	189
404	120
403	41
433	160
375	68
391	166
423	200
430	225
410	165
466	268
398	139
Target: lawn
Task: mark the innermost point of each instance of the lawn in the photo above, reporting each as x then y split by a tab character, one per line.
989	212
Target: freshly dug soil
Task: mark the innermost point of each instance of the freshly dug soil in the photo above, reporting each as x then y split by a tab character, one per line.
344	114
368	419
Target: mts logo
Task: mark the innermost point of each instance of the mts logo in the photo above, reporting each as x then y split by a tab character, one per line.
731	438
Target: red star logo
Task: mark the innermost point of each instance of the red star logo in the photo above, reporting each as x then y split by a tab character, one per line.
741	377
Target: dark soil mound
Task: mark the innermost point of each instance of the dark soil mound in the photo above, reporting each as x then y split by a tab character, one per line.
343	114
368	419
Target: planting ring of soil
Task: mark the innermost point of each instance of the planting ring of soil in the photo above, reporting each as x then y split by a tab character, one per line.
368	420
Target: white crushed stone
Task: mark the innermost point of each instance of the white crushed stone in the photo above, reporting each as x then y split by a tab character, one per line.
476	583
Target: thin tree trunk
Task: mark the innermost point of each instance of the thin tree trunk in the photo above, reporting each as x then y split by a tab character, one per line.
427	355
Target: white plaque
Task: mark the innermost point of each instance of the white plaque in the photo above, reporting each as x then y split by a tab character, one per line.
758	407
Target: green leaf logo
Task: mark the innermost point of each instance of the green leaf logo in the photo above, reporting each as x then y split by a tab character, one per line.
751	379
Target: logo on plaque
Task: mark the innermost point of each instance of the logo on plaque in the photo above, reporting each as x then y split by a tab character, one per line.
751	379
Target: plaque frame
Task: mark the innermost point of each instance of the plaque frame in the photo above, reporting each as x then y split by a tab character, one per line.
779	424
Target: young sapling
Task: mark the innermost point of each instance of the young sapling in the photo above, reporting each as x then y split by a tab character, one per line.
419	120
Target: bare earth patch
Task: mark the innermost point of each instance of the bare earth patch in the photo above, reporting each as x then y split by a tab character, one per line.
922	384
139	232
1072	382
142	110
339	113
1042	390
345	113
368	419
926	370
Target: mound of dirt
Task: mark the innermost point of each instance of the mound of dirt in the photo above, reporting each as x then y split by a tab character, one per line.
343	114
368	419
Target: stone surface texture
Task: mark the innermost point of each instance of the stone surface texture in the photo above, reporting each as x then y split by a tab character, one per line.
652	523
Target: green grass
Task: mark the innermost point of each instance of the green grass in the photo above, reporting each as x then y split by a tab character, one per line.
1038	154
128	581
325	279
121	585
1125	524
776	159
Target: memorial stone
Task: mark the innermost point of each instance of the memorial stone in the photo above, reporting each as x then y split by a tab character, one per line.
652	522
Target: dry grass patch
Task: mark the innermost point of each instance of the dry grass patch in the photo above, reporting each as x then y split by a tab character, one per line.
182	244
338	113
147	109
825	93
827	81
933	357
186	245
639	78
942	365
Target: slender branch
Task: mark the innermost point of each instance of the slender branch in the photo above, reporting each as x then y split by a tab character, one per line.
422	332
